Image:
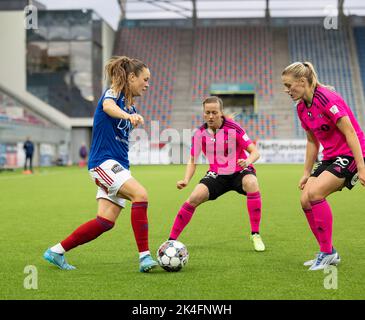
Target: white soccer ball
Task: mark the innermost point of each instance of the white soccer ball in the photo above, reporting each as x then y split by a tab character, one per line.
172	255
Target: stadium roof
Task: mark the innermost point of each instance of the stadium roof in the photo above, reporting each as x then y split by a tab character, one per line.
111	10
177	9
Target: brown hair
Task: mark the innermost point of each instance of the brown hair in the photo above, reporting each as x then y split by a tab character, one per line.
304	69
117	71
215	99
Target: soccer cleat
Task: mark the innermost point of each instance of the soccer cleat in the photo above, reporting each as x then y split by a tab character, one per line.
310	262
324	259
146	264
257	242
335	262
58	260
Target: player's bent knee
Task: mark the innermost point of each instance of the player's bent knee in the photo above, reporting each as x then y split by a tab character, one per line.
195	200
314	195
250	185
304	201
140	197
106	221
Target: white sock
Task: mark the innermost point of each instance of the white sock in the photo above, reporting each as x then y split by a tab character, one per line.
143	254
58	249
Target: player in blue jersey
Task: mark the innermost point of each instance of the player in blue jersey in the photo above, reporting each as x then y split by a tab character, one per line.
114	119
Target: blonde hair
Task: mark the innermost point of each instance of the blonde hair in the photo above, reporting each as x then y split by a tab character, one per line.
117	71
215	99
305	69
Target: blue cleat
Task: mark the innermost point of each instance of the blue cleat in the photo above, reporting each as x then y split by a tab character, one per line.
147	263
58	260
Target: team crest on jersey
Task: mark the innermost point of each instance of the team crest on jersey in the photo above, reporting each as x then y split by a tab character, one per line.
245	137
117	168
334	109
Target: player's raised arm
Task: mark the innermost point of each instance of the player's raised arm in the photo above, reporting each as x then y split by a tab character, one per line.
111	108
189	173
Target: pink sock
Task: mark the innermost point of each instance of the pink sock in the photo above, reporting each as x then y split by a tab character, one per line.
254	210
182	219
312	224
323	220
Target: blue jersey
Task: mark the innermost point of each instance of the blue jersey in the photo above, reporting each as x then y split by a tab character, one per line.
110	137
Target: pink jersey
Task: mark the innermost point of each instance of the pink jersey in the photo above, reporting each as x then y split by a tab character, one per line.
223	148
321	118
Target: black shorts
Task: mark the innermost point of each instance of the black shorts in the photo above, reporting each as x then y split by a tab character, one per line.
220	184
342	167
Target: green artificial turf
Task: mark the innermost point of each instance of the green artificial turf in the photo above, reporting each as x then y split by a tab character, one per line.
39	210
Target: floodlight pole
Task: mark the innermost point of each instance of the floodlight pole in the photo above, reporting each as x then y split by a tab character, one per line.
267	12
122	4
341	15
194	15
340	8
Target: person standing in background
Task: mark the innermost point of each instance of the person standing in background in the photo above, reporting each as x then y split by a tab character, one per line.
29	151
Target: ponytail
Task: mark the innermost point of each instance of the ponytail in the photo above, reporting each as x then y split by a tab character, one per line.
305	69
117	71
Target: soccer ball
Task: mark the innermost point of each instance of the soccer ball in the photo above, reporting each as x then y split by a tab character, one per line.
172	255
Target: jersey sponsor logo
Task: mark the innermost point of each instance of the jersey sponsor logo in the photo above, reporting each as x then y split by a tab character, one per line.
110	94
245	137
334	109
342	162
125	125
121	140
117	168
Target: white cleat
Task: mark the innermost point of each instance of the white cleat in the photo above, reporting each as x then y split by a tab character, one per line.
310	262
323	260
335	262
257	242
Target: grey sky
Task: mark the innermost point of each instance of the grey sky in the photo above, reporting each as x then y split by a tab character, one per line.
138	9
108	10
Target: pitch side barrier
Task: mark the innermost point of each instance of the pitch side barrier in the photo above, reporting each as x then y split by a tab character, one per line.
165	152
